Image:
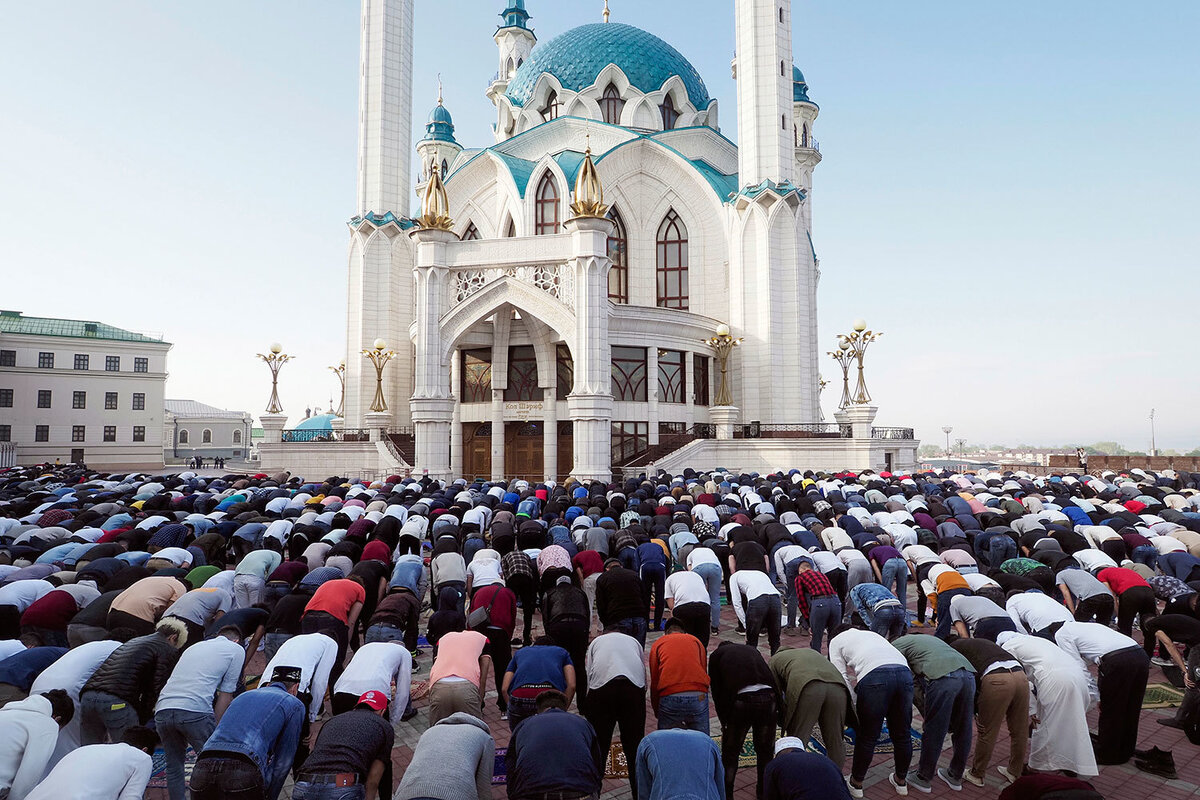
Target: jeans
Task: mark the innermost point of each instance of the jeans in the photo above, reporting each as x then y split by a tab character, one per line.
790	570
895	571
999	549
218	778
633	626
883	693
178	729
949	708
327	791
654	577
104	715
944	622
618	704
763	612
383	632
686	710
1145	554
824	614
889	621
271	644
751	711
711	573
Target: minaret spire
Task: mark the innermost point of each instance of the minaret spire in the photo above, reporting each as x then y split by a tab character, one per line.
606	11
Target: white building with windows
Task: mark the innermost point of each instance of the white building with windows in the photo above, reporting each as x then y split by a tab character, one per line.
81	391
534	343
192	428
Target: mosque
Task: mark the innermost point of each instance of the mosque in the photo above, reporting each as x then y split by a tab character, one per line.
550	304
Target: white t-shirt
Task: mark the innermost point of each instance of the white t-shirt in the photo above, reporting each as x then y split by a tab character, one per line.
686	587
375	667
702	555
23	594
176	555
484	572
1092	560
97	772
314	654
856	652
615	655
977	581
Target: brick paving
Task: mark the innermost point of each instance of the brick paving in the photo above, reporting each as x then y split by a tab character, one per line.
1115	783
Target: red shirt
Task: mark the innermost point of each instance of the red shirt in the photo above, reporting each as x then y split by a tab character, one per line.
1121	579
378	551
336	597
589	561
53	611
504	610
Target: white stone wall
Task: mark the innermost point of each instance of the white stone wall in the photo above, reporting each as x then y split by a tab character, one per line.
764	85
769	455
385	107
26	379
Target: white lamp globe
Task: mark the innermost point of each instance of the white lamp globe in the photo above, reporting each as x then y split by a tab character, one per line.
380	344
860	325
722	329
277	348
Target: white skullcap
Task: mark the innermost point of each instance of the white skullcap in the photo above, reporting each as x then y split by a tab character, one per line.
787	743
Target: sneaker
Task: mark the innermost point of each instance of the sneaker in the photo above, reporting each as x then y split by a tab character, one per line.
917	782
1159	661
901	788
916	623
715	629
504	715
973	779
1008	776
856	793
740	628
944	774
407	715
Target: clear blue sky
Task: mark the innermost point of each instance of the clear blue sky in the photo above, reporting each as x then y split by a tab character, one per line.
1008	190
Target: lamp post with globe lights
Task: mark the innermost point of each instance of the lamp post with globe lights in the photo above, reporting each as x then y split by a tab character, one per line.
340	371
859	339
948	430
843	356
722	345
274	360
379	356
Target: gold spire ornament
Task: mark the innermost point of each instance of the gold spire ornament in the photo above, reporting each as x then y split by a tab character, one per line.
589	194
606	11
435	204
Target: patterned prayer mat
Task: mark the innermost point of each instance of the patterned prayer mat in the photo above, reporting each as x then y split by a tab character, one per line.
1162	695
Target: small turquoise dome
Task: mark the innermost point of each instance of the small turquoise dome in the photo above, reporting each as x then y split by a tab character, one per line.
576	58
799	86
321	422
440	127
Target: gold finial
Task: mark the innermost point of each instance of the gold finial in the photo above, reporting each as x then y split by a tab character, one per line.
606	11
589	194
439	88
435	204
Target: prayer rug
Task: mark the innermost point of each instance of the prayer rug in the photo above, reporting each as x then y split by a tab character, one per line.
158	769
1162	695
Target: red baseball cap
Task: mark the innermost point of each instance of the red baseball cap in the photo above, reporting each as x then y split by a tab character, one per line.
374	699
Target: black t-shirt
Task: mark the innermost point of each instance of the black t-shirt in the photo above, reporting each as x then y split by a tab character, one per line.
350	742
1010	582
285	617
1181	628
246	620
750	555
372	572
95	613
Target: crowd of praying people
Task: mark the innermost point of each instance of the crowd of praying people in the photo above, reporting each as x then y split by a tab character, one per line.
263	633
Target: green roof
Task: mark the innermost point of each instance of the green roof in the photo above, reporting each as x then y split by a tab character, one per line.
16	322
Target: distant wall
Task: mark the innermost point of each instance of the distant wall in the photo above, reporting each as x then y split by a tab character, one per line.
1118	463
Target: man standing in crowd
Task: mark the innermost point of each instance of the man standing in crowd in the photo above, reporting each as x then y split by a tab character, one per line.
679	680
743	691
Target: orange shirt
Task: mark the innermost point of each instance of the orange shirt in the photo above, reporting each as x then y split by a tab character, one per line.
950	579
678	663
337	597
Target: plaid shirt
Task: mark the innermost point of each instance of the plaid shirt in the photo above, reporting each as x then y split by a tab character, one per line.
1169	588
811	583
517	563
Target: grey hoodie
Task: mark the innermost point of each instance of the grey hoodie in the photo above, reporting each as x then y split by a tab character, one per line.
448	756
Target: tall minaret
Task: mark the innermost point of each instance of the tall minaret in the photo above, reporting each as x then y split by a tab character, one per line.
385	107
764	91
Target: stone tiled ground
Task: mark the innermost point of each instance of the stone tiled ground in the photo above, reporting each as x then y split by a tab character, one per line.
1115	783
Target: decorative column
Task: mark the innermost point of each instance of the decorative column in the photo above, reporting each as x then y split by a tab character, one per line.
724	413
432	403
273	425
859	418
652	393
456	438
550	432
591	401
497	434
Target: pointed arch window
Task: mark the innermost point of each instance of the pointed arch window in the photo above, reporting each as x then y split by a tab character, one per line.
546	208
669	115
510	230
445	168
471	233
618	251
511	69
550	110
804	136
611	105
672	263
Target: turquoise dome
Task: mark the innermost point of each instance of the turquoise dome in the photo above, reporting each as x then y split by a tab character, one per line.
440	127
799	87
576	58
321	422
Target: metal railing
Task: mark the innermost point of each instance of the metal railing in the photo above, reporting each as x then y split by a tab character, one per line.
892	433
792	430
345	435
8	454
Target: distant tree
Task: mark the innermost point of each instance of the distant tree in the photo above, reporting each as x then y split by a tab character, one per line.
1195	453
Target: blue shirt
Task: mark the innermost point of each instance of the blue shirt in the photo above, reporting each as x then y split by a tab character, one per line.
264	726
660	776
20	669
322	575
650	555
872	596
554	752
538	666
797	775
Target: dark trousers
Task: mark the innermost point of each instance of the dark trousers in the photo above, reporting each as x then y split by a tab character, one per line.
653	578
619	703
752	711
10	622
120	619
695	618
334	628
571	634
943	611
949	708
824	616
195	633
1138	601
762	612
500	649
1098	607
1122	680
837	579
525	588
221	778
883	693
991	627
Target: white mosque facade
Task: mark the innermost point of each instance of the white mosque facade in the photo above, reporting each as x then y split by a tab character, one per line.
531	342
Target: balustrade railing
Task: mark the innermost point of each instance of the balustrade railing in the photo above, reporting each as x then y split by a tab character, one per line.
555	279
300	435
792	430
892	433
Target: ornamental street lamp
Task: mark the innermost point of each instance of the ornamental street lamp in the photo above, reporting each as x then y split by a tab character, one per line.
843	356
379	356
340	371
859	339
723	344
948	430
276	359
